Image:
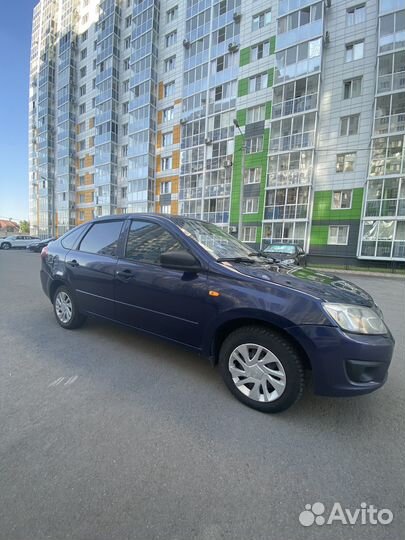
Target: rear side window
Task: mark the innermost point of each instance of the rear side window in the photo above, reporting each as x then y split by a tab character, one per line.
69	239
147	241
102	238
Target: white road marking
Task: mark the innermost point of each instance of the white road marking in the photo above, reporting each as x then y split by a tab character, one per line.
55	383
68	381
71	380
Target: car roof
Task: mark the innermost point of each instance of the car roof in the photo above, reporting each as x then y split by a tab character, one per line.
164	217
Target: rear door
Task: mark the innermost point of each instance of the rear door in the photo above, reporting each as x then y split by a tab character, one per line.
90	268
166	302
19	241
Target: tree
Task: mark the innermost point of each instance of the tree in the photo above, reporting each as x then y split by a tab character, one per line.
25	226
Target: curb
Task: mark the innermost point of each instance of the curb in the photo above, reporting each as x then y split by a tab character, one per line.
360	273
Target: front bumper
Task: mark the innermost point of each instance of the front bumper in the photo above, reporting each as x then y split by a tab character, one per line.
345	364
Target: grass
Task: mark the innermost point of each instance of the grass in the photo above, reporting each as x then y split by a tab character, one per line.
396	271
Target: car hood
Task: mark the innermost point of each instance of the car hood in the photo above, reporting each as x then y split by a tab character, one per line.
325	286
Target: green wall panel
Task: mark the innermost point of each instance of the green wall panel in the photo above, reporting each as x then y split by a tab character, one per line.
241	117
272	44
270	78
319	235
243	87
244	57
322	207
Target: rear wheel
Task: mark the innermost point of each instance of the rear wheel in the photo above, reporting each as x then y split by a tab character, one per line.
262	369
5	245
66	310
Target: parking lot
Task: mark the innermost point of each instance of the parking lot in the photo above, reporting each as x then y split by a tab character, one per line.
108	434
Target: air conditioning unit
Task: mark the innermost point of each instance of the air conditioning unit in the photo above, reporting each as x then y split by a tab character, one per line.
328	3
208	140
183	121
326	39
237	16
186	43
233	229
227	163
233	47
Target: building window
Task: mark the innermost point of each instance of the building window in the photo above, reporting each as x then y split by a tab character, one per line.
261	19
83	53
127	42
125	86
125	128
296	19
169	88
124	150
255	114
338	235
126	63
251	205
167	138
170	64
171	38
125	107
128	21
355	15
93	84
81	215
165	209
83	37
345	162
253	176
254	144
354	51
167	163
82	90
249	234
171	14
165	188
82	144
124	171
349	125
352	88
258	82
83	72
342	200
124	191
82	180
168	114
82	108
82	198
259	51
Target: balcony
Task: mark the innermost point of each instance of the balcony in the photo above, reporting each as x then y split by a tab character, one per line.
293	142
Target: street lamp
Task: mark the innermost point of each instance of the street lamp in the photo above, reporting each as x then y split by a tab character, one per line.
243	149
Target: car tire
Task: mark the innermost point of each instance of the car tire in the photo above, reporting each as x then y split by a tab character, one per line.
66	309
274	381
5	245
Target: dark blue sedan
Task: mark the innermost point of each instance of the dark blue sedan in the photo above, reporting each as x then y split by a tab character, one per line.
190	282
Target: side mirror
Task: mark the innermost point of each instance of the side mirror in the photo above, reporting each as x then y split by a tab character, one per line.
180	260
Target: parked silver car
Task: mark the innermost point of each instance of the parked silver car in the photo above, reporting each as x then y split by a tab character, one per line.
17	241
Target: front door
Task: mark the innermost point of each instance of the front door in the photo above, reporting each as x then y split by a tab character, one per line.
91	268
166	302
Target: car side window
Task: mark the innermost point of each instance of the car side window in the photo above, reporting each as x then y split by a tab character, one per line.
102	238
69	239
147	241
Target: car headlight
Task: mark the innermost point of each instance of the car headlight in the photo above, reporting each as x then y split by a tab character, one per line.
359	319
288	261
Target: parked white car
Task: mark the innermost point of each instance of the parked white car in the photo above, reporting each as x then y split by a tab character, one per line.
17	241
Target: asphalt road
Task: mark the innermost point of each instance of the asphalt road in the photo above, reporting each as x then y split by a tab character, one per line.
109	435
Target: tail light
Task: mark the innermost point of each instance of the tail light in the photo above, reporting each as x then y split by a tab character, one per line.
44	252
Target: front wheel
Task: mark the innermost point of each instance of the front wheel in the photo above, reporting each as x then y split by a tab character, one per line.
262	369
5	245
66	310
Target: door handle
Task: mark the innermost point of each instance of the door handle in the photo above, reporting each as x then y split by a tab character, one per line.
124	275
73	263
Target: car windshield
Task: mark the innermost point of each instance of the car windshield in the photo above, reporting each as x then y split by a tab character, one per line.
214	240
280	248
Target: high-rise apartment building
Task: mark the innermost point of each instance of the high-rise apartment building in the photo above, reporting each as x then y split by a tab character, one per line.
280	121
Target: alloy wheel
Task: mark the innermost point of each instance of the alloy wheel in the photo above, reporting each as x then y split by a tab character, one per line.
63	307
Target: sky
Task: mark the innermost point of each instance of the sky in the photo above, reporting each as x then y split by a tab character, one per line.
15	43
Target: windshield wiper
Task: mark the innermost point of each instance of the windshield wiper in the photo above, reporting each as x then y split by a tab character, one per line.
263	255
236	259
